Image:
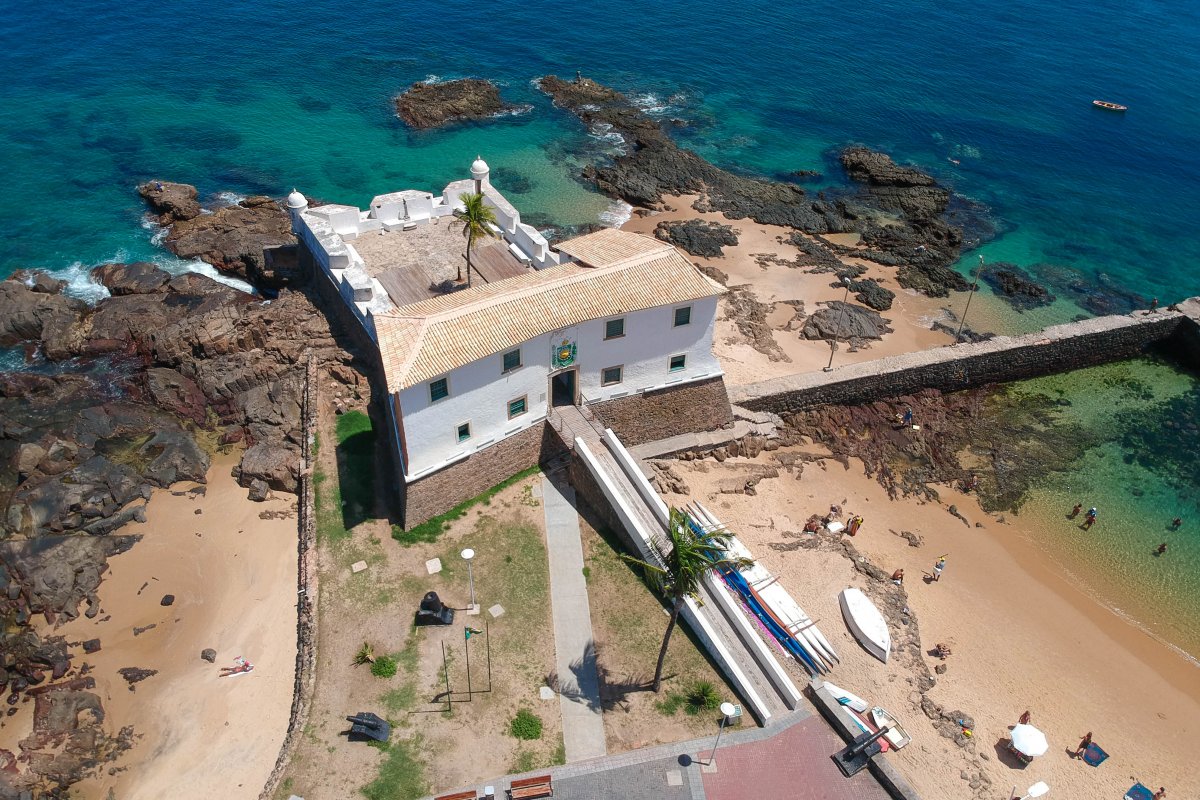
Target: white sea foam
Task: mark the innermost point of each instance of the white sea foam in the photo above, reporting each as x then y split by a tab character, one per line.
178	266
617	214
158	232
229	198
81	284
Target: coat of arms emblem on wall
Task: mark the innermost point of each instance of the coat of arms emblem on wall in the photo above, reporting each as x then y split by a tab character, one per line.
563	354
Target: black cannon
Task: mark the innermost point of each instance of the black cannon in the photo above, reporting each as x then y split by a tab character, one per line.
434	612
367	724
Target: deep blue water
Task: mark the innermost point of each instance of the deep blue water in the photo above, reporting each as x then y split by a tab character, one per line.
258	97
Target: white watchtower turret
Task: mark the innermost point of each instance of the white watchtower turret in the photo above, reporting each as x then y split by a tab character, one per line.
479	171
296	205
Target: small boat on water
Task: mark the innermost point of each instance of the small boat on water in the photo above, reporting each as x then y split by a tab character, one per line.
866	623
1109	106
896	735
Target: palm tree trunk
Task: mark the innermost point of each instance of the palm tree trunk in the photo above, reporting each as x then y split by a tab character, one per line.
662	653
470	244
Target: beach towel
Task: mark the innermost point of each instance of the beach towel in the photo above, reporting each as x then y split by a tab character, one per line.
1139	792
1094	755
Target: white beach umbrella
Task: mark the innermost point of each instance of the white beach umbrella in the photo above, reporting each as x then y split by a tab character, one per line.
1029	740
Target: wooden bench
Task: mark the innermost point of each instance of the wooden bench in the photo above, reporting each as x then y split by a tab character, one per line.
457	796
527	788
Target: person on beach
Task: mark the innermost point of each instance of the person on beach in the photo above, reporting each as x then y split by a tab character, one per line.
1024	720
1153	305
938	566
898	577
1075	511
1162	548
1160	794
1083	744
855	523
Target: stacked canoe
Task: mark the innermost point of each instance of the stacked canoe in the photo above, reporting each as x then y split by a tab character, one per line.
770	602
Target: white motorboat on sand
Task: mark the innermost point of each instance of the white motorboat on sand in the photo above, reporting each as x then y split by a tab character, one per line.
866	623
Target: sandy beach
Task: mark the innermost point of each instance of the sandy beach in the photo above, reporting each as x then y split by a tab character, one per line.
775	284
233	575
1022	637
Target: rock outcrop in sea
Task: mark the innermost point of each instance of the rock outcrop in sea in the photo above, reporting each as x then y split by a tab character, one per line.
432	105
904	217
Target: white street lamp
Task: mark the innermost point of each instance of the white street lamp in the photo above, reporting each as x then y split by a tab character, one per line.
727	711
467	555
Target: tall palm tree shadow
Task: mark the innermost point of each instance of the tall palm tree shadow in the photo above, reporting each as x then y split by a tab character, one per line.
592	683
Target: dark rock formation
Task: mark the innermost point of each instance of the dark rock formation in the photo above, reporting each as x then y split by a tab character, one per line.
698	237
1016	286
431	105
139	277
29	315
39	281
845	322
871	294
931	278
901	212
209	655
134	675
172	202
233	239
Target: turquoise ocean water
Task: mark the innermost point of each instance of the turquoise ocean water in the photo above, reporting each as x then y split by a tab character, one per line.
260	97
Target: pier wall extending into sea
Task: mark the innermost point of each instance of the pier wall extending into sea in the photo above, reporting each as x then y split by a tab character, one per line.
1060	348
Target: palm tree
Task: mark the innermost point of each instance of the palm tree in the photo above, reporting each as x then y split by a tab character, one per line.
476	219
692	554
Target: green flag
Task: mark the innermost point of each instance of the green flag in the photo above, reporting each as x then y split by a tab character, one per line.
467	631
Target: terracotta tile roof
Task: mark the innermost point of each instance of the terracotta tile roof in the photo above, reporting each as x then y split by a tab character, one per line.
424	340
609	246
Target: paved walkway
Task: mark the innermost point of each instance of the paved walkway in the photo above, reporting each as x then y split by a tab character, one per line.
789	760
575	651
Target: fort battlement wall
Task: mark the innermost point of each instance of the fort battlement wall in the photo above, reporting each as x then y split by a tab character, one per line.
1060	348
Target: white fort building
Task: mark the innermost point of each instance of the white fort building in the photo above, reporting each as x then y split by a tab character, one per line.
618	321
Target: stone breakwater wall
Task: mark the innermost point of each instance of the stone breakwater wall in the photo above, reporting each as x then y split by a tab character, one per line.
306	584
1060	348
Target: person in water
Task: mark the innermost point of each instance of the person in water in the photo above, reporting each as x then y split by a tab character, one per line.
1075	511
1162	548
1175	523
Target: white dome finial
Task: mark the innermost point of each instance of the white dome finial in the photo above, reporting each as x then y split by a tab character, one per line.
479	169
296	200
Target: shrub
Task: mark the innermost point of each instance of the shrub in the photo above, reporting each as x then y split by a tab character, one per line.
365	654
702	696
383	667
526	725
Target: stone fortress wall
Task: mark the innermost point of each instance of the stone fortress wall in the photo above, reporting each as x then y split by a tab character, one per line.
1060	348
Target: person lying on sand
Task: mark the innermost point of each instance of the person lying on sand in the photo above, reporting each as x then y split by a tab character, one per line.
941	650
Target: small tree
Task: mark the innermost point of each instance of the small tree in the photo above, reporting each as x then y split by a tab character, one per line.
476	218
692	554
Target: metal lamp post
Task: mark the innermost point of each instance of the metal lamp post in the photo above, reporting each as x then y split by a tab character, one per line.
468	554
833	341
727	711
967	307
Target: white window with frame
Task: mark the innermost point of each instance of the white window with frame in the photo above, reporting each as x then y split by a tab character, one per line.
683	316
517	406
678	363
438	390
614	328
610	376
512	360
462	432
